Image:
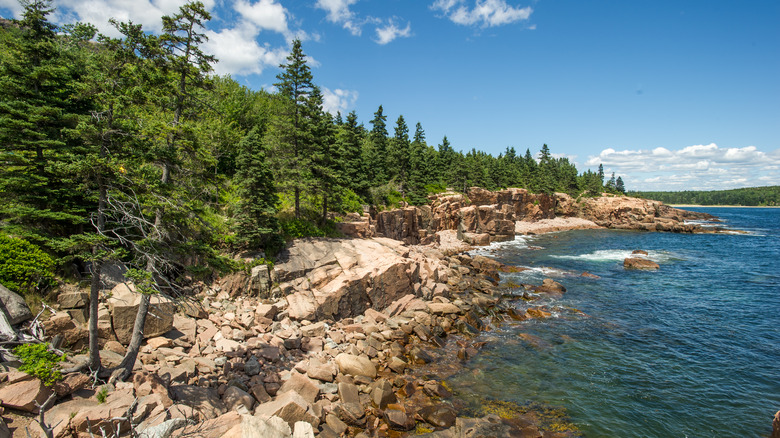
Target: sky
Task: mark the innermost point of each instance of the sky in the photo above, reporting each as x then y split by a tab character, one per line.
669	95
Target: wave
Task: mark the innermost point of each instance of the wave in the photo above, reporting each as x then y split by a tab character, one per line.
518	242
613	255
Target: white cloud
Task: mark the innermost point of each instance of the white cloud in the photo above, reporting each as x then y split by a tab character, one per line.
699	167
144	12
240	54
390	31
265	14
339	13
484	13
338	100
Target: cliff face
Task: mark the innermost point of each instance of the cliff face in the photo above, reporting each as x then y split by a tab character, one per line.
482	216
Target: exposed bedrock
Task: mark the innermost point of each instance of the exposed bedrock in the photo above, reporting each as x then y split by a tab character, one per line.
482	216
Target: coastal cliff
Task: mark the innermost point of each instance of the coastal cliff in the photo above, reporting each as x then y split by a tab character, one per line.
482	216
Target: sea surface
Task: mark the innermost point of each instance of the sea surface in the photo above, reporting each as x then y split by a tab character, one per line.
691	350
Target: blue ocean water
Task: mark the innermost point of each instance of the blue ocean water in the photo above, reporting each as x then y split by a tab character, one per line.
691	350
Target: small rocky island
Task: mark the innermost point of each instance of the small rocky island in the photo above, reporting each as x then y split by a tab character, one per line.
325	343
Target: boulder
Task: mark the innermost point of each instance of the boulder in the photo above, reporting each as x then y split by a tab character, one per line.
304	386
14	307
290	407
441	416
105	415
25	395
260	280
355	365
235	397
205	401
73	300
641	264
776	426
123	305
257	427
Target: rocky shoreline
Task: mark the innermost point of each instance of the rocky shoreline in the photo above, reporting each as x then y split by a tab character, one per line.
326	343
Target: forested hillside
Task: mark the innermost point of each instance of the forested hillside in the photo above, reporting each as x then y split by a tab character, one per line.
130	148
752	196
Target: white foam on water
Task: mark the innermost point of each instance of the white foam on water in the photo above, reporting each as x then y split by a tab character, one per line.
615	255
518	242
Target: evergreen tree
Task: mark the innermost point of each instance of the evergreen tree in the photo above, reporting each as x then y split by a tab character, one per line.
398	154
377	155
39	106
610	186
292	137
327	170
256	224
169	172
350	140
528	171
601	174
619	185
418	169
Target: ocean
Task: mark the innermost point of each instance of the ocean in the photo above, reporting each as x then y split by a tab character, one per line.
690	350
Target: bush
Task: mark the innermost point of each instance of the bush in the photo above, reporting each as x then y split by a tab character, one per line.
24	268
297	228
38	361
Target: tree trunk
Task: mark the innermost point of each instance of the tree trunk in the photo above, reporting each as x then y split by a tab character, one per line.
324	207
94	295
135	341
297	203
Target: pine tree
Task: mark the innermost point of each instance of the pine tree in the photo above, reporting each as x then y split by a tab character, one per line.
398	153
418	169
256	223
39	106
349	139
168	174
292	137
326	160
377	155
619	186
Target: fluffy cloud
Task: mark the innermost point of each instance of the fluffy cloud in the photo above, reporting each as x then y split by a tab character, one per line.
145	12
338	100
265	14
240	54
339	13
237	48
697	167
484	13
389	32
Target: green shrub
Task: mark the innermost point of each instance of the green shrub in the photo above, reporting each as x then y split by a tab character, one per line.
38	361
24	268
297	228
101	395
347	201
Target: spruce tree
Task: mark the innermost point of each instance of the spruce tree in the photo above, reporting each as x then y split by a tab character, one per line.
619	186
292	135
256	224
377	154
356	176
418	168
326	161
39	107
398	153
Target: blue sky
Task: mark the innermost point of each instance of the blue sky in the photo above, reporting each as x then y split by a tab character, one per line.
670	95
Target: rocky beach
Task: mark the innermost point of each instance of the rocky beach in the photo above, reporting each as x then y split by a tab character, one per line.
340	337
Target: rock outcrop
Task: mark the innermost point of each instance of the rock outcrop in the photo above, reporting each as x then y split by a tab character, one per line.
640	264
331	278
482	216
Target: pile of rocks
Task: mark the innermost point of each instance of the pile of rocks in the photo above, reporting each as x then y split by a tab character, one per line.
343	368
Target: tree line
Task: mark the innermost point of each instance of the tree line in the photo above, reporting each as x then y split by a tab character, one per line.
751	196
129	149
